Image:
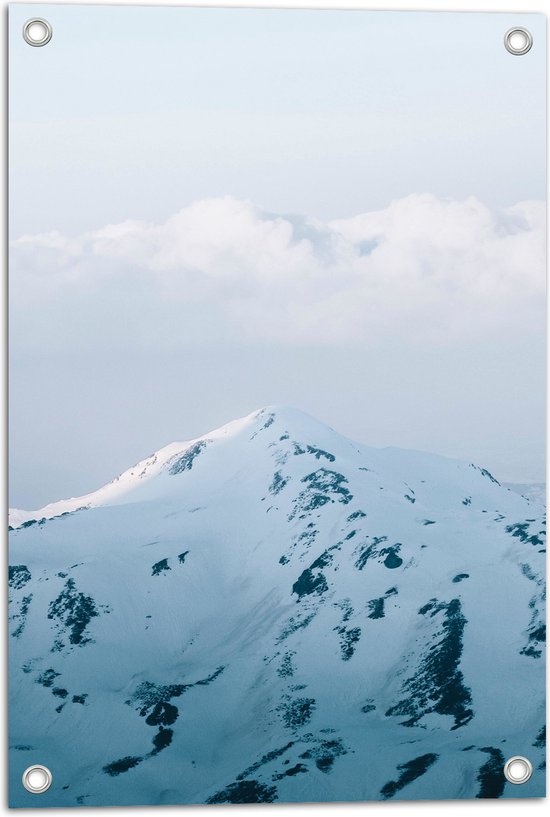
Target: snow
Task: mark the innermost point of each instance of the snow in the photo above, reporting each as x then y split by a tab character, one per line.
214	606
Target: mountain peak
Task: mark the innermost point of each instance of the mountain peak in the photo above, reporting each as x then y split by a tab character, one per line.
245	573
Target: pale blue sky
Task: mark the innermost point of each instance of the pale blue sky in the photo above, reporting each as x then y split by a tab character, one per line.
136	113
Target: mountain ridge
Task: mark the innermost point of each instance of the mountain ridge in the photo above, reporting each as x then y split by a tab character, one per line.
153	464
294	616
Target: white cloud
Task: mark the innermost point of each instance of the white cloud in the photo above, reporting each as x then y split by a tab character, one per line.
422	268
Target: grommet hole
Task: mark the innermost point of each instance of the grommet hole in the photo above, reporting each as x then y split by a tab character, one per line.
518	41
37	779
518	770
37	32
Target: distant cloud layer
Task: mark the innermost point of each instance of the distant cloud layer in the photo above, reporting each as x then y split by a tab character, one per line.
223	268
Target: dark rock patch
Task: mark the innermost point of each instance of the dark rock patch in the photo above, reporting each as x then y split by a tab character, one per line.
485	473
245	791
294	624
311	449
119	766
308	583
368	551
48	677
270	419
521	531
185	462
299	768
410	771
322	486
287	668
491	775
460	577
59	692
311	580
21	616
162	739
277	484
297	712
325	754
376	608
163	713
267	758
392	560
438	684
160	567
356	515
18	576
348	640
73	611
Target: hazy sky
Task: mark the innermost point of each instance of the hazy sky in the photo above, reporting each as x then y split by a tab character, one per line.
213	210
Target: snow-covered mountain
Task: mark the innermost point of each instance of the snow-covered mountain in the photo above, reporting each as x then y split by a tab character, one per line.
273	612
530	490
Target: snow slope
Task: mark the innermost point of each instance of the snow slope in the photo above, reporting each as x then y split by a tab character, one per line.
273	612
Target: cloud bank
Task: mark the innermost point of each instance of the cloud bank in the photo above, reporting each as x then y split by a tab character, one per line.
223	269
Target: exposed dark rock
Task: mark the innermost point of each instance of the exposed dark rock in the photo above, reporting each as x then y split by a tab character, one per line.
278	483
376	607
267	758
163	714
311	449
356	515
287	668
293	624
160	567
521	531
18	576
59	692
21	615
296	712
392	560
348	640
162	739
73	611
47	678
185	461
322	486
325	754
410	771
491	775
368	551
119	766
245	791
438	684
299	768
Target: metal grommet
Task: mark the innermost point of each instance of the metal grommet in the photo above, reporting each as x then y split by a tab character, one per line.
518	41
37	779
37	31
518	770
